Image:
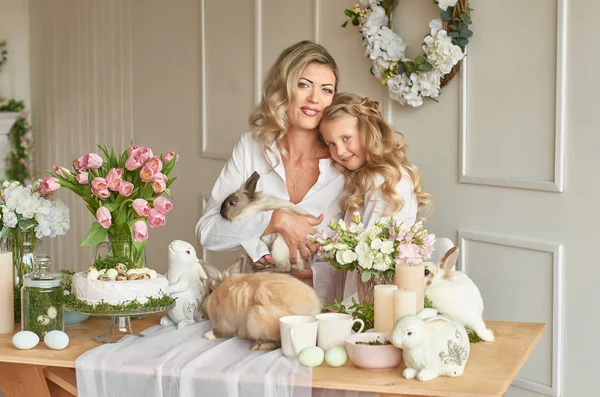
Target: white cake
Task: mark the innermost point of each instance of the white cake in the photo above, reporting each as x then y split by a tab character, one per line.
117	292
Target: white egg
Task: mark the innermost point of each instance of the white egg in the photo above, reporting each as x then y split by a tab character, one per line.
112	273
24	340
132	271
56	340
152	273
92	274
336	356
311	356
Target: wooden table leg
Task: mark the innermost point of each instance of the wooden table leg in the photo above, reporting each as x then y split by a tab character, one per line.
22	380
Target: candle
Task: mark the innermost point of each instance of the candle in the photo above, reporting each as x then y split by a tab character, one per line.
412	278
7	310
383	307
405	303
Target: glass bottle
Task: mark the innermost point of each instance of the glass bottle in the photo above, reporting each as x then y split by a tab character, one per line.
41	299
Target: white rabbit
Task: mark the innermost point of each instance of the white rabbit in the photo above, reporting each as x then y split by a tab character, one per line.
247	201
249	305
432	345
186	284
454	294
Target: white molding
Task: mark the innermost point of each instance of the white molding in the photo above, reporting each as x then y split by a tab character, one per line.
387	106
258	51
317	20
557	185
203	201
557	302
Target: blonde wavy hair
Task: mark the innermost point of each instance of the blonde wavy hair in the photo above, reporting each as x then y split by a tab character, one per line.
269	120
385	152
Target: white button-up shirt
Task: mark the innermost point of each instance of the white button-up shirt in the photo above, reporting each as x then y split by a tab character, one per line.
219	234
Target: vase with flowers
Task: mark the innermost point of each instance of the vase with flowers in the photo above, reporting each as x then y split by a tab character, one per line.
124	192
376	252
29	213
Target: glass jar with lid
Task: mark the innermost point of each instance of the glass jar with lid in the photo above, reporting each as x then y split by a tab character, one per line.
41	299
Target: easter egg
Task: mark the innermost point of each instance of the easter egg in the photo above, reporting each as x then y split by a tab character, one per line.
336	356
24	340
56	340
311	356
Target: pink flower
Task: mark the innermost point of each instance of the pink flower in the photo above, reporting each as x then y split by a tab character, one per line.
101	193
146	174
49	185
133	163
145	153
113	179
140	231
159	185
62	171
103	217
155	164
156	219
126	189
141	207
99	183
132	150
89	161
82	178
162	204
167	157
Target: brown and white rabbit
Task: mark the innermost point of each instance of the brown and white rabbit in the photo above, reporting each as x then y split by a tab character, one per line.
454	294
247	201
249	305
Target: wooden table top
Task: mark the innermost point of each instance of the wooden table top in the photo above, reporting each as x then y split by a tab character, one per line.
490	369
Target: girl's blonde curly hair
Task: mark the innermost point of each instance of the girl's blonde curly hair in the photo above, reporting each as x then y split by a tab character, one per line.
269	120
385	153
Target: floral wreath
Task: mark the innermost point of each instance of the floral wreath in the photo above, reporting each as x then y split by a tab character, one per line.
409	81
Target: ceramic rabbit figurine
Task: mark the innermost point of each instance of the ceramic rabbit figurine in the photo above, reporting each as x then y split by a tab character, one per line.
454	294
432	345
186	284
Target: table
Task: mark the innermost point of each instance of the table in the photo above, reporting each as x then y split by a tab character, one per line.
491	368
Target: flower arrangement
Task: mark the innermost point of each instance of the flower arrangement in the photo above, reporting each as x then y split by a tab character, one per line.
409	81
375	250
123	192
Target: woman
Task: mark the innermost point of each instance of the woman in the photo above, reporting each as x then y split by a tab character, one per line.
284	148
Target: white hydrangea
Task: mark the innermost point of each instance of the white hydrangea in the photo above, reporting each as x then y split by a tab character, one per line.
368	3
435	25
441	53
10	220
444	4
374	21
385	44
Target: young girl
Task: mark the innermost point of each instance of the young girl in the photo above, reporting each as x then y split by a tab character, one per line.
380	181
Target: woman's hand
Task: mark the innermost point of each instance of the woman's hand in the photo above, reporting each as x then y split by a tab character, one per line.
264	263
294	229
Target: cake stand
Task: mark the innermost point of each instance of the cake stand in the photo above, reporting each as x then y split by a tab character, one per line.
120	322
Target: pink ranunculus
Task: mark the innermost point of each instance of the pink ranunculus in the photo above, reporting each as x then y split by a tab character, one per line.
99	183
82	178
49	185
89	161
133	163
113	179
62	171
167	157
145	153
101	193
141	207
159	185
140	231
156	219
162	204
146	174
155	164
126	189
103	217
132	150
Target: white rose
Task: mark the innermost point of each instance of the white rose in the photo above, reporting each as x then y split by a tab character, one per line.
349	256
362	248
387	247
365	261
444	4
339	257
376	244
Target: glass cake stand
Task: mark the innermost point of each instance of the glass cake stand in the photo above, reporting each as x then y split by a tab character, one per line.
120	322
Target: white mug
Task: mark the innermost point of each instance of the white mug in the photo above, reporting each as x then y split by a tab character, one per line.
334	328
297	333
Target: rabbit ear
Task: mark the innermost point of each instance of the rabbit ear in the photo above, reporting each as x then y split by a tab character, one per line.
236	267
449	259
250	185
212	272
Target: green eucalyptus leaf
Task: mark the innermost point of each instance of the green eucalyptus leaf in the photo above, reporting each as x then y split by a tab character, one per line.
461	41
349	13
410	67
401	68
454	34
365	275
446	15
419	60
426	67
467	33
355	21
345	24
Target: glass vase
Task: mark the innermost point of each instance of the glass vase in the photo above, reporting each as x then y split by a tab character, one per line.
23	245
366	291
121	245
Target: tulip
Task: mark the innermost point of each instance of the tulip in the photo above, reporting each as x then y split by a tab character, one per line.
103	217
141	207
133	163
49	185
155	164
126	189
146	174
82	178
162	204
156	219
140	231
167	157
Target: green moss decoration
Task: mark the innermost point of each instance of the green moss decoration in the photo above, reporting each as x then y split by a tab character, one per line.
72	303
42	309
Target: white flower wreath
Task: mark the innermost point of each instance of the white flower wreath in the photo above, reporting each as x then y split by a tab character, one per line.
409	81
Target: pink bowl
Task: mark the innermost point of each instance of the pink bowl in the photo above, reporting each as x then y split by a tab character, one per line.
372	356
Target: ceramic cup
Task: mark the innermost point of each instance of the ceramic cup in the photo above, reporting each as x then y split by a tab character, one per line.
297	333
334	328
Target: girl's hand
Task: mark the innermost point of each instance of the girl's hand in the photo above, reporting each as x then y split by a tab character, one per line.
295	230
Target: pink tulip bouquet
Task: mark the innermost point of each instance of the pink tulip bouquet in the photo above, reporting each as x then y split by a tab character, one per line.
124	193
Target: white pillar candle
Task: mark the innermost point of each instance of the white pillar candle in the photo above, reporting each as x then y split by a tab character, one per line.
412	278
383	307
7	313
405	303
